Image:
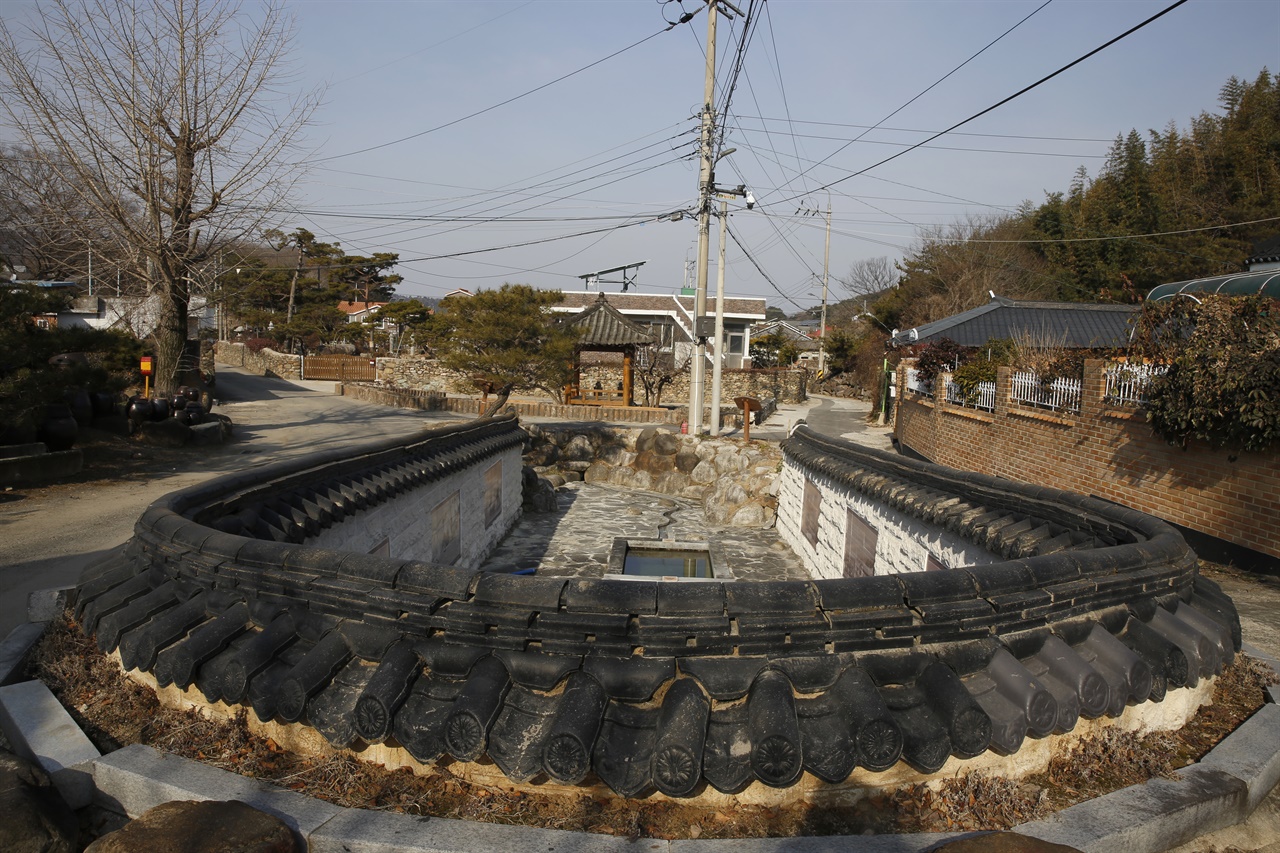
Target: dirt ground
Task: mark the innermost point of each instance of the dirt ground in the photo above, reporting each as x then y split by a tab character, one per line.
115	712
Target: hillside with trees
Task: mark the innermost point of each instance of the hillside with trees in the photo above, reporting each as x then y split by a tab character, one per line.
1183	185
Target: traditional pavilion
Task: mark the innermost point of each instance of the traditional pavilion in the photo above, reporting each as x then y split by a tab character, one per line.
604	329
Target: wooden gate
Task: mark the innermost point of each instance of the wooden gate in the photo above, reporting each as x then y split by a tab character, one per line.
340	368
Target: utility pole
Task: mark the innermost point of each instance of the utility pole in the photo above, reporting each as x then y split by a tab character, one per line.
706	188
706	144
826	265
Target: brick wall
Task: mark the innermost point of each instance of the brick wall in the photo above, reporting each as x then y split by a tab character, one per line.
1104	450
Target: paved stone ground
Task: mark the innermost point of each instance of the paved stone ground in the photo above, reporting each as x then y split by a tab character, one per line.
575	541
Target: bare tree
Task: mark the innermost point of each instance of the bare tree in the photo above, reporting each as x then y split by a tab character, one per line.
869	277
165	118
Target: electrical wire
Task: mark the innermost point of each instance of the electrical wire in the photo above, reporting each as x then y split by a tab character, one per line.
503	103
1006	100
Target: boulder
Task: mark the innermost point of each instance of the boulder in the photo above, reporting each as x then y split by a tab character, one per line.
1002	842
164	433
541	496
655	463
36	818
666	444
211	826
206	434
704	472
597	473
617	455
748	515
645	440
687	459
578	449
671	483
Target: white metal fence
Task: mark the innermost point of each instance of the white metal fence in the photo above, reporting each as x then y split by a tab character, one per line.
1126	384
983	398
1061	394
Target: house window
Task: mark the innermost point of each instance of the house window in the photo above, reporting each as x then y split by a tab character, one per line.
809	513
859	546
737	342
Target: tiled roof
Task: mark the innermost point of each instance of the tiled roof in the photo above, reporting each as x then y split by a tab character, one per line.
659	685
603	326
356	307
1070	324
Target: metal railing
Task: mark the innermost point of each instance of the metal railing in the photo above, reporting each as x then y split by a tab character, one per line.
1061	394
1126	384
984	397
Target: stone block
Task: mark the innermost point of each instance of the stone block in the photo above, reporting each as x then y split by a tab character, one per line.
40	730
206	434
356	831
138	778
1154	816
14	650
1251	754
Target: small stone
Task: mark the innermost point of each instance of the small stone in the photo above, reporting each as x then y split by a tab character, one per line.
750	515
211	826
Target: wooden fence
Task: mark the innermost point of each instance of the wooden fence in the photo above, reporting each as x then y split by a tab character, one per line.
340	368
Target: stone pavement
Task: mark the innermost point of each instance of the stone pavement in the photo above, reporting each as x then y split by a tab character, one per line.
575	541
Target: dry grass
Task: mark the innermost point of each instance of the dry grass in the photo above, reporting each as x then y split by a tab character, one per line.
115	711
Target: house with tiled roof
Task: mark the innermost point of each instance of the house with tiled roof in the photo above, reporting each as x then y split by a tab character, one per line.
669	320
1074	325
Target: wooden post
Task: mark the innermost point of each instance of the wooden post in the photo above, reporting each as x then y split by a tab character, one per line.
747	405
628	357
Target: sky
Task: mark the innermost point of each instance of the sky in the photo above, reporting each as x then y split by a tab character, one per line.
554	180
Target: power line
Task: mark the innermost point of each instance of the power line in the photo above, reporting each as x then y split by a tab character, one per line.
1004	101
926	90
512	99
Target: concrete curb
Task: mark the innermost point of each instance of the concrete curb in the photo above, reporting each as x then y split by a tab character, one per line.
1220	791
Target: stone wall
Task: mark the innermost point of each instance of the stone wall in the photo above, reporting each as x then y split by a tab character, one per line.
266	362
735	481
1105	450
435	401
420	373
786	385
901	543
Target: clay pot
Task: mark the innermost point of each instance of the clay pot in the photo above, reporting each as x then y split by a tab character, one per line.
196	414
81	407
141	409
59	429
178	403
104	404
190	393
161	409
182	416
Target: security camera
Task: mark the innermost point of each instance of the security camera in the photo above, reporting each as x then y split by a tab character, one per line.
751	200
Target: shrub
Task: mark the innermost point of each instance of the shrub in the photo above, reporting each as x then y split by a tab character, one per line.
1223	381
256	345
